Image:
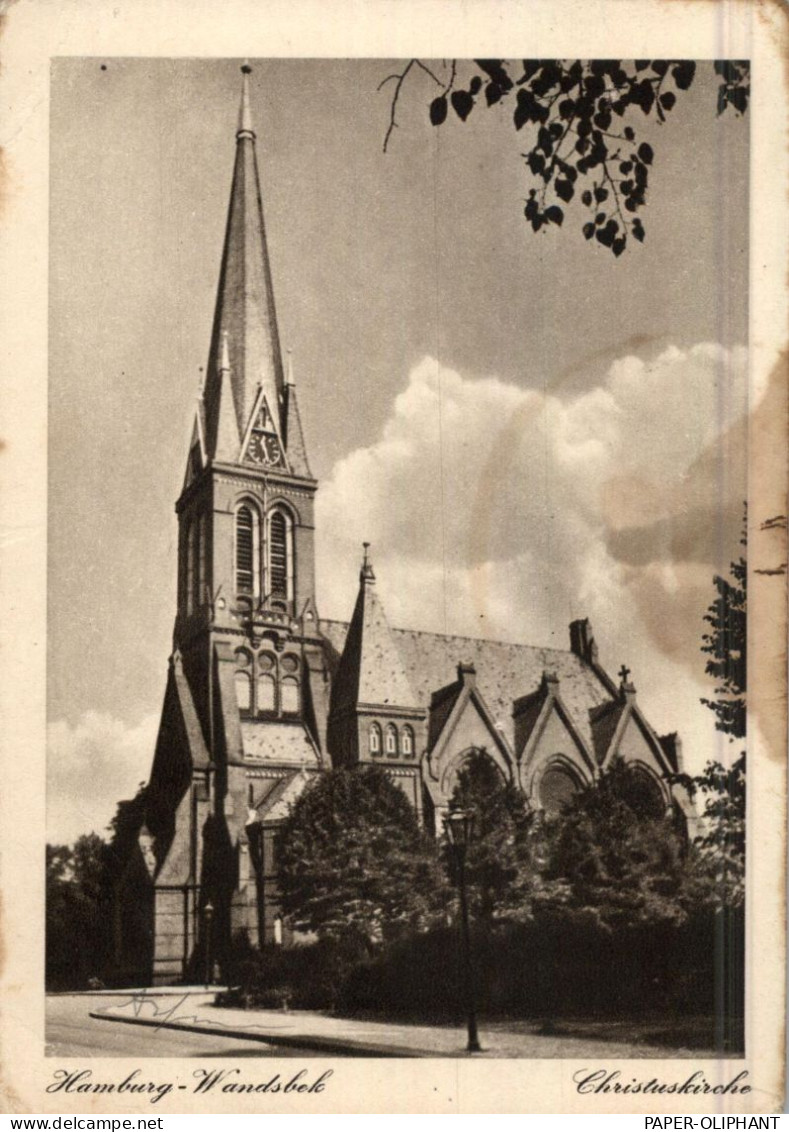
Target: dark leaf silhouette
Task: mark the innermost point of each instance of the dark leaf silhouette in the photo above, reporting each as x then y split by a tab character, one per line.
438	110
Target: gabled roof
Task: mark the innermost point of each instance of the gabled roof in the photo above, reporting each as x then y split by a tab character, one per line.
371	670
505	672
448	713
610	722
532	714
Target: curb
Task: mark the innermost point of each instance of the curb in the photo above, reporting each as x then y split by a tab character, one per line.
117	992
345	1047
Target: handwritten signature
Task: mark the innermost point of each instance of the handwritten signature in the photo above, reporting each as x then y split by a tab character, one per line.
149	1006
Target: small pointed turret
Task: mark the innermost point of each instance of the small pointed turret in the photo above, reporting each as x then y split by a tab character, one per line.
245	310
371	670
294	433
225	442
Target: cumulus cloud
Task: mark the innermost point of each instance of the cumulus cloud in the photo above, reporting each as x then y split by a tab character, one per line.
506	512
91	766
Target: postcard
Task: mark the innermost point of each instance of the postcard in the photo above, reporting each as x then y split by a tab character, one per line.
395	558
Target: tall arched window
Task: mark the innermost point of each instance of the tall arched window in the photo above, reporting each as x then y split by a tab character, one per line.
244	691
408	742
375	739
558	787
391	739
289	692
191	536
202	560
280	555
247	550
267	693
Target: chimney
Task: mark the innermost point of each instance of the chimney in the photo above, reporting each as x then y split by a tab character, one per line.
582	641
467	674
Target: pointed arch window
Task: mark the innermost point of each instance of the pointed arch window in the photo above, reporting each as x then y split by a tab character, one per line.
247	550
408	742
375	739
280	555
391	739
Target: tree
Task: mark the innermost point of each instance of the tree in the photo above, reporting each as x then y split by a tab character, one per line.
354	866
722	840
77	926
726	646
499	866
610	862
583	118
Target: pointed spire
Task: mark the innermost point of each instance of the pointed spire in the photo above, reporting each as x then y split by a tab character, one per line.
371	670
245	309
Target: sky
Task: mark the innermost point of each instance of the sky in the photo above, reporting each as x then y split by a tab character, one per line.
526	429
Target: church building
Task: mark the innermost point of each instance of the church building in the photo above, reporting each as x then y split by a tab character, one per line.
263	695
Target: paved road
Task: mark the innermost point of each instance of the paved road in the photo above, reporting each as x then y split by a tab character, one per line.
71	1032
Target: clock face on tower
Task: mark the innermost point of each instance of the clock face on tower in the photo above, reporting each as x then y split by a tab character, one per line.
264	448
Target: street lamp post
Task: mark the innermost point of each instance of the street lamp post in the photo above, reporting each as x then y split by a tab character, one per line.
208	912
459	825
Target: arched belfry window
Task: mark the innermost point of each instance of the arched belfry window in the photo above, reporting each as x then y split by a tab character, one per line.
391	739
375	739
191	538
280	555
202	560
247	550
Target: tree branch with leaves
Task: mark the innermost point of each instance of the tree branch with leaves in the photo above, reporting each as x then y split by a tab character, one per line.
584	118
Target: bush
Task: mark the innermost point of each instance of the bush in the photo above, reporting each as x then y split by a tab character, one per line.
561	965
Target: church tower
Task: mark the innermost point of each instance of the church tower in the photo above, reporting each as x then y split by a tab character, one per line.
244	719
246	576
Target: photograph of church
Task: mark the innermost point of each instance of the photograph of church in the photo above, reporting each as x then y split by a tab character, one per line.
264	694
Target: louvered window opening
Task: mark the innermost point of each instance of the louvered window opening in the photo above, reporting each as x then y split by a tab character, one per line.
245	564
190	567
278	555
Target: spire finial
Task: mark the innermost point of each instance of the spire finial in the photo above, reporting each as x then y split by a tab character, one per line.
245	127
366	573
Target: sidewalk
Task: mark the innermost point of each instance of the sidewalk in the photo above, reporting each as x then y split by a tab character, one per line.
358	1038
